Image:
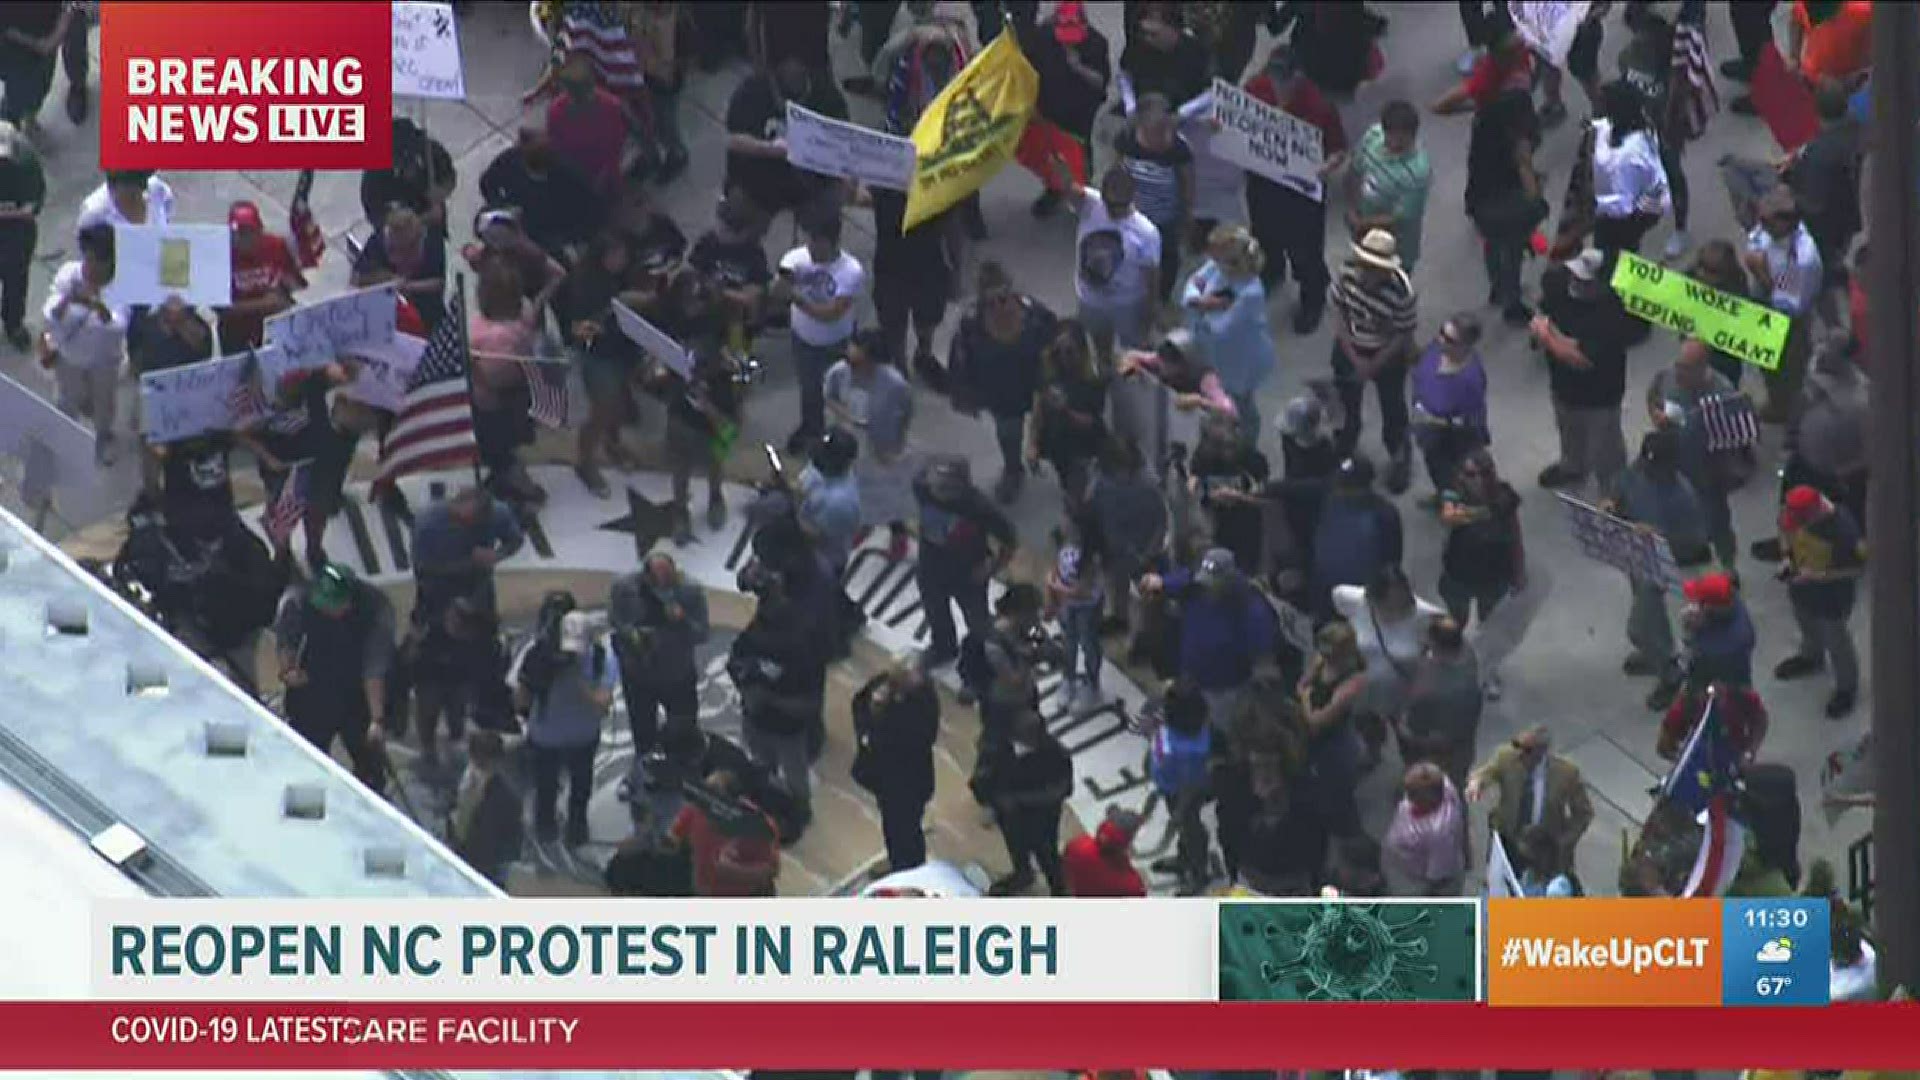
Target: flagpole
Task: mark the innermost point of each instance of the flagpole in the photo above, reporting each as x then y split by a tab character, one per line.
466	362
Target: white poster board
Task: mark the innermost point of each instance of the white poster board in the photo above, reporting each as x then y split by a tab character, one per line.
653	341
1260	138
1640	553
57	449
155	262
312	335
832	147
384	371
1548	26
426	52
193	399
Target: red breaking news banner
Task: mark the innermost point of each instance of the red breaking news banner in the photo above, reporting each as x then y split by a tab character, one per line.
287	85
148	1036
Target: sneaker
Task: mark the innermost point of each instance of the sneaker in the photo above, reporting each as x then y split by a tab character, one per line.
1047	205
1840	705
1736	69
683	528
1399	474
1677	245
1767	550
1797	667
1559	476
1307	319
1642	666
1743	106
716	514
799	441
1516	314
594	482
931	371
861	85
1662	694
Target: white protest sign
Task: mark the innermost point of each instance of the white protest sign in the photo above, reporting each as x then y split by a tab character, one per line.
57	449
426	51
213	395
1639	552
1548	26
312	335
1260	138
385	370
652	340
832	147
154	262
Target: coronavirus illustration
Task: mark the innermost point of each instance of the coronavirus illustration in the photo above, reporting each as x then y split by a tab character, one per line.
1346	952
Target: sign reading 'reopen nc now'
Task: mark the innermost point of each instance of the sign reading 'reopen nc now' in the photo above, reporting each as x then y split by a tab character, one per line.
1731	324
290	85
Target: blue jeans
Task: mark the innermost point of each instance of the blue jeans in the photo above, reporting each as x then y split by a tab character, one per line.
1080	625
810	364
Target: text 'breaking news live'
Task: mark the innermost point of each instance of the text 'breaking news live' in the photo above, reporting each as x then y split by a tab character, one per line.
1203	788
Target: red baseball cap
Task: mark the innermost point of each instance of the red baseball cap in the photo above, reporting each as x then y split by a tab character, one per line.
1710	590
244	216
1803	504
1070	23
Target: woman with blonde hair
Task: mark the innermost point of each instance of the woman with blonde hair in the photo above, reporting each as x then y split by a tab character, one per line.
1226	308
1329	691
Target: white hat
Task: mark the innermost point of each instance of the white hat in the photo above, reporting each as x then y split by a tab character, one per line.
1587	265
1378	248
576	632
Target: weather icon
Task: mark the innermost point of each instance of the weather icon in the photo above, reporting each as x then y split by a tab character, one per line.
1776	951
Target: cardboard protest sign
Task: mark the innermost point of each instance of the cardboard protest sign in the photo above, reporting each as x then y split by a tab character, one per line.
313	335
653	341
384	370
1734	325
1548	26
1256	136
221	394
426	51
155	262
832	147
1639	552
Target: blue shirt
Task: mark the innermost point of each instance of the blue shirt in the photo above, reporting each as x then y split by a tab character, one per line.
1236	340
830	506
566	716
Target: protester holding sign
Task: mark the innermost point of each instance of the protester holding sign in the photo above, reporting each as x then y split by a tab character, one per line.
1291	224
757	167
265	277
85	340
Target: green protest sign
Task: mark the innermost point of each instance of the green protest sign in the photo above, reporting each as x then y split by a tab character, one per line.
1732	324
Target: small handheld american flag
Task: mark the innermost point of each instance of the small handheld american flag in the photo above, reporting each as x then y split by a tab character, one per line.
550	402
1693	98
1730	422
247	401
289	508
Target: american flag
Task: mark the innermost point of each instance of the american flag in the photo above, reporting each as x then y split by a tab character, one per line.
598	30
247	401
434	429
547	384
289	508
1729	421
1693	99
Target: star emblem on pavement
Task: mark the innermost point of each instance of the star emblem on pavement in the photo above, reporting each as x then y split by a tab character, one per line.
648	521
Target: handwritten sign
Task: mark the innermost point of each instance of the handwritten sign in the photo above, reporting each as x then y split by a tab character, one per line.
312	335
384	371
832	147
213	395
1641	553
653	341
1732	324
426	51
155	262
1256	136
1549	26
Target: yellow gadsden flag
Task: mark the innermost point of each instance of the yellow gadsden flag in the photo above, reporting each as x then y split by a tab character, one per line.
969	131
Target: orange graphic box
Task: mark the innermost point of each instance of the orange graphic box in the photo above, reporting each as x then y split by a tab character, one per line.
1585	951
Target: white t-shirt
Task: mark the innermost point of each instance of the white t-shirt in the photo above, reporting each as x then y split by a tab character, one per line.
1404	639
1114	256
82	339
818	283
98	207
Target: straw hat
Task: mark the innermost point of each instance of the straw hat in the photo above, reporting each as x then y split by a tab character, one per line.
1378	248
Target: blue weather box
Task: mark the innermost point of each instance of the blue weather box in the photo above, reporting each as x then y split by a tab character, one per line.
1775	952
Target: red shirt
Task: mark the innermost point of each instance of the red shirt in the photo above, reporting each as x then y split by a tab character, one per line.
726	865
1307	103
1491	77
590	136
268	268
1091	872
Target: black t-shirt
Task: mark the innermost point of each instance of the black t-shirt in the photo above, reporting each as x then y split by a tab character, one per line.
194	476
557	208
1061	438
406	181
918	258
732	264
1237	526
33	19
302	430
1066	99
1482	553
1604	331
757	111
1492	145
374	259
795	28
658	244
1180	74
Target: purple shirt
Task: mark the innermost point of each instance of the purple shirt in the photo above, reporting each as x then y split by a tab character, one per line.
1459	395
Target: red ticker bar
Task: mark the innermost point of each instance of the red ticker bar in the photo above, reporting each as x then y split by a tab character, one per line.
254	1036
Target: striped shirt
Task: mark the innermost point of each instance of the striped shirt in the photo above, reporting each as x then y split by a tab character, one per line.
1393	186
1430	848
1375	308
1156	177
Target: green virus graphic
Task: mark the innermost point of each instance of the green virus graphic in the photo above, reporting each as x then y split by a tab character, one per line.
1346	952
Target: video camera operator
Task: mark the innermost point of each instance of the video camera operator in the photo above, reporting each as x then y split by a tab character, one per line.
659	619
458	672
213	585
779	662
